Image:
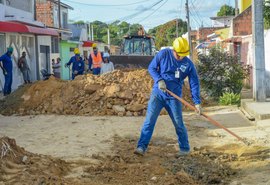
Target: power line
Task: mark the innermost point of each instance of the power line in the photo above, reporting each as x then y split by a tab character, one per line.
129	17
106	5
153	11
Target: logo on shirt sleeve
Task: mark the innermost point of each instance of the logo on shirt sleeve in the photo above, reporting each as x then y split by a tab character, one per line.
183	68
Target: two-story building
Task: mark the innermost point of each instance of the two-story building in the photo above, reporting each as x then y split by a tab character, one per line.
55	16
19	29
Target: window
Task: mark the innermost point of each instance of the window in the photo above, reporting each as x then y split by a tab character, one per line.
64	20
55	45
3	44
25	5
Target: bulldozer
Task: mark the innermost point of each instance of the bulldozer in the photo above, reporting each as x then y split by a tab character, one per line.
137	51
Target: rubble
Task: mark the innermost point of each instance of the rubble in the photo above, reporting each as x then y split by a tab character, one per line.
117	93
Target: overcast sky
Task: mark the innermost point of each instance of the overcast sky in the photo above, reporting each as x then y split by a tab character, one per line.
140	11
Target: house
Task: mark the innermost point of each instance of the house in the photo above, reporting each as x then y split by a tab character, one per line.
221	21
54	14
203	32
19	29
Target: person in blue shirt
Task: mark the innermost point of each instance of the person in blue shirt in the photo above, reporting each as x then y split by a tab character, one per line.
169	68
77	64
6	65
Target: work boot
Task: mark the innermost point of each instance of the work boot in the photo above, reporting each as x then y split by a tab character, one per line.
182	154
139	151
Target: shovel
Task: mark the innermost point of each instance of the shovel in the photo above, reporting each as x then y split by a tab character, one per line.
207	117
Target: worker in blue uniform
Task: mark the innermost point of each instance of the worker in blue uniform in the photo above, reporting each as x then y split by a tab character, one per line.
169	68
6	65
77	64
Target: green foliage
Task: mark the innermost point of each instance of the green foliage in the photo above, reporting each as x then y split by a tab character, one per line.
166	33
117	30
226	10
230	99
266	15
220	72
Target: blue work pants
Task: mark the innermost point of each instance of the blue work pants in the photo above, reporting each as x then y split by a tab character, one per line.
8	83
96	71
174	109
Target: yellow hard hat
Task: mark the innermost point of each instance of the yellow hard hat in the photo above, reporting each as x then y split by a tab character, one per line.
76	51
181	46
94	45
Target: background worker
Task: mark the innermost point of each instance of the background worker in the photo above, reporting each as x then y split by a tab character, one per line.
6	65
57	67
106	65
169	68
77	64
95	60
24	67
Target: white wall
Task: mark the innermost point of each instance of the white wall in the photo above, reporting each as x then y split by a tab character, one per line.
267	60
248	59
20	43
16	11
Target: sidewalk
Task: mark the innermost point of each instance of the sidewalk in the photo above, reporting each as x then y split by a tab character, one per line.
259	110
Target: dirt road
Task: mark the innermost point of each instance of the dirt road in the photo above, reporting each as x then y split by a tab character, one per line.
99	150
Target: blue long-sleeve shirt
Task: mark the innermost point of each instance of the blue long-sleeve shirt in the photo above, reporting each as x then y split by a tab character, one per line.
7	62
164	67
76	65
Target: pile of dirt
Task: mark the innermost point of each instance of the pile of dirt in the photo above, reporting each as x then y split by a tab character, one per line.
122	93
159	166
17	166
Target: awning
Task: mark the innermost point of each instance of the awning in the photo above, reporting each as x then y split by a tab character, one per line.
22	28
88	43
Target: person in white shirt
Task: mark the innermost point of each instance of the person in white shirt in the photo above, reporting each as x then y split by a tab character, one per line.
106	65
57	68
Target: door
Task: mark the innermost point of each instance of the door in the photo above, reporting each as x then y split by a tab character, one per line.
44	58
2	51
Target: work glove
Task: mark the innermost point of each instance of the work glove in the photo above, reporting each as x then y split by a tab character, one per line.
66	65
162	85
75	72
198	109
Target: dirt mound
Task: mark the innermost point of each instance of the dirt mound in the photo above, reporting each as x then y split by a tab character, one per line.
158	166
122	93
18	166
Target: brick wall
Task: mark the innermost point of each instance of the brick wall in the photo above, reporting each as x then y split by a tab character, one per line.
204	31
45	13
242	24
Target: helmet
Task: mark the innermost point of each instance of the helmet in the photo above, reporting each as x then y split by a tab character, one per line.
10	49
181	46
94	45
106	55
76	51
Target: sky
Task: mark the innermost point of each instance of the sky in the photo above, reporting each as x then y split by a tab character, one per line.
149	13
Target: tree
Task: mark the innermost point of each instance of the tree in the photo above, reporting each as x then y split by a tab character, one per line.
166	33
226	10
266	15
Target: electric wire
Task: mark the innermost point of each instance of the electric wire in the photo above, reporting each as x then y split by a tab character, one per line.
129	17
153	11
107	5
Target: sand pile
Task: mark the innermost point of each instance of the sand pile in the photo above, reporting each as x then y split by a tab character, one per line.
122	93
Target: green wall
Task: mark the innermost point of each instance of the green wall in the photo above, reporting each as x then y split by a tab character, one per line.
65	55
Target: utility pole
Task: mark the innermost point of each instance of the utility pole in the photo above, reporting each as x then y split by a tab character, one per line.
89	31
92	32
259	91
177	28
108	32
59	14
189	32
236	8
